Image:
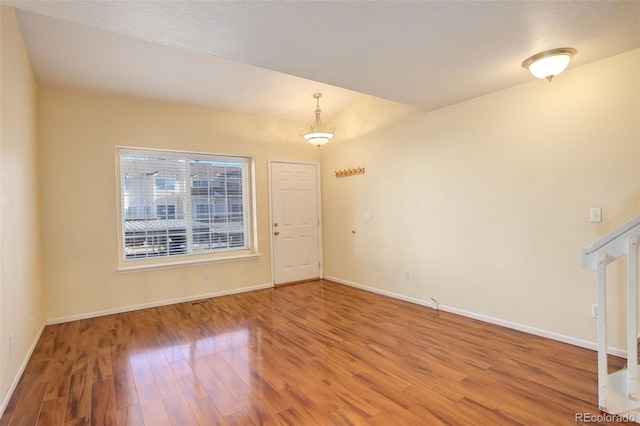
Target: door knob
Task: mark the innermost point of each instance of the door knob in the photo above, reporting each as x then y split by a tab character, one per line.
276	233
275	224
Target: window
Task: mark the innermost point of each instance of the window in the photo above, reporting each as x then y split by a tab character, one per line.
165	183
202	211
166	212
181	204
199	183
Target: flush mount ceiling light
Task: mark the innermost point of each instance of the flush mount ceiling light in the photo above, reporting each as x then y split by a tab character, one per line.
549	63
318	136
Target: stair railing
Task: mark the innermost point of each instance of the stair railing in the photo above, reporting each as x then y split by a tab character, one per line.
617	392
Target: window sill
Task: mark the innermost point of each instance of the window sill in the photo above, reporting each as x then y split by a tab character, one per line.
177	264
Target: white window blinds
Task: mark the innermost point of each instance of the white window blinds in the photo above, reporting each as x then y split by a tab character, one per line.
180	204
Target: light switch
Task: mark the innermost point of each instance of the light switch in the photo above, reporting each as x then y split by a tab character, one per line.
596	214
367	215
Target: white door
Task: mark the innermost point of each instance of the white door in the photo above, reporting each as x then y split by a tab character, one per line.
295	225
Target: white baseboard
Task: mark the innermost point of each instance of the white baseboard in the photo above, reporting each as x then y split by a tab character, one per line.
18	376
155	304
508	324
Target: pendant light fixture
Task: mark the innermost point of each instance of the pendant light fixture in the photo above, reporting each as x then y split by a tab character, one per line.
318	136
549	63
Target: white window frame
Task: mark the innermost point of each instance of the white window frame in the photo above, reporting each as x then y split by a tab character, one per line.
250	252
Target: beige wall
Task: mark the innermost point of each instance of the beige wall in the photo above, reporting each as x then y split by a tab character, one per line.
78	133
486	203
20	279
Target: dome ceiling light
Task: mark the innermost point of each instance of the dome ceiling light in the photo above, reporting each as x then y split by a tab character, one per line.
549	63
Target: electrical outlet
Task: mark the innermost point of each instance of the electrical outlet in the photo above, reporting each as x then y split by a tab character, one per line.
205	275
11	343
594	310
405	275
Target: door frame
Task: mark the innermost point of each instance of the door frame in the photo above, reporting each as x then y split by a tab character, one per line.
270	161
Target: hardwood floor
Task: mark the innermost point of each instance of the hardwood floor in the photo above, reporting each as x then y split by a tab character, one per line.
317	353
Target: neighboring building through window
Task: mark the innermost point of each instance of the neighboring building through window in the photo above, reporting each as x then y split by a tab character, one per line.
177	204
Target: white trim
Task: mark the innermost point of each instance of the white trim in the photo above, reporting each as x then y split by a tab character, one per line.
491	320
270	161
253	207
177	152
155	304
271	252
137	268
18	376
320	228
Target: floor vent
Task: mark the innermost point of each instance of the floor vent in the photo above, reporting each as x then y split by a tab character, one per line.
199	302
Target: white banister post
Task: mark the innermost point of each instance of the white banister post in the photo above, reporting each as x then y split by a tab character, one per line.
632	317
603	373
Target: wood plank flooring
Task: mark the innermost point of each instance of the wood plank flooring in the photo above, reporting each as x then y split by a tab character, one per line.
317	353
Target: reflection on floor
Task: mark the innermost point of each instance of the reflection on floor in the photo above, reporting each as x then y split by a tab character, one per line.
309	354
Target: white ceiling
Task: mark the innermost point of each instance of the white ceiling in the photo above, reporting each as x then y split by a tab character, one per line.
269	57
